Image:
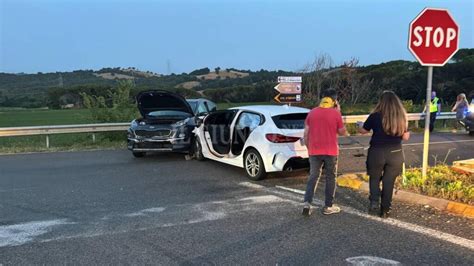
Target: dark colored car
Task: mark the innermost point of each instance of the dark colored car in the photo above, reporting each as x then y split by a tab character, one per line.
167	122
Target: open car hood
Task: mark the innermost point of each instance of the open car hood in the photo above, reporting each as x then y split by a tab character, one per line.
157	100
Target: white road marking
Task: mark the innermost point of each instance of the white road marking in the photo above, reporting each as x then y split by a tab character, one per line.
145	212
466	243
370	260
189	214
264	199
250	185
19	234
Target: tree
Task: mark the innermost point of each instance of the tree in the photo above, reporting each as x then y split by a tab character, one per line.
117	107
314	77
202	71
217	69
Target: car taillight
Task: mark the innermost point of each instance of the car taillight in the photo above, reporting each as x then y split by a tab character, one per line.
278	138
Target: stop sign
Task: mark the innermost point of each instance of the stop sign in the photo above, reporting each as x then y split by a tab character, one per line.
433	37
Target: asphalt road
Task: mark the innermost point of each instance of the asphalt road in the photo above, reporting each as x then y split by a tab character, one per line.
101	207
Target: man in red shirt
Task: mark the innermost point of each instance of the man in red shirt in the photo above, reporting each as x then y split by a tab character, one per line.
322	126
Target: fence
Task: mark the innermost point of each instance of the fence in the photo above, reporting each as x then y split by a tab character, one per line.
109	127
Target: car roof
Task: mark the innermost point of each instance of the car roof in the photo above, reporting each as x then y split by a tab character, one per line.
273	109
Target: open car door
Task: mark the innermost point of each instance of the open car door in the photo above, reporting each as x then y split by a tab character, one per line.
217	132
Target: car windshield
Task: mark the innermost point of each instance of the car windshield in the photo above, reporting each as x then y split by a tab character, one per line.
193	105
290	121
169	113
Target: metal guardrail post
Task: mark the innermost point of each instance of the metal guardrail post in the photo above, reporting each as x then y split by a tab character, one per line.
47	141
93	137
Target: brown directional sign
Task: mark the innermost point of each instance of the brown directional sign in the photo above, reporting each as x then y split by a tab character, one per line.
288	88
288	98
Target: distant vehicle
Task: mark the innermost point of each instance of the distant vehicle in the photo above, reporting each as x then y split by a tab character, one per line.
469	119
167	122
261	139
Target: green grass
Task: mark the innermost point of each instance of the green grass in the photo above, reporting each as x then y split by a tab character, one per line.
441	182
42	117
17	117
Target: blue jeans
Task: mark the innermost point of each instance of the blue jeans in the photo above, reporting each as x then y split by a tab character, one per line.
317	162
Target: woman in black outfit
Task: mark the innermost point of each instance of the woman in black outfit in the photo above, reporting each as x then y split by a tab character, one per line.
389	125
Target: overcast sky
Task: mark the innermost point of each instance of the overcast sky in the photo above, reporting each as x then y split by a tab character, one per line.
180	36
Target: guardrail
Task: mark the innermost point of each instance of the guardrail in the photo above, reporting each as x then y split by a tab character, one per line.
350	119
109	127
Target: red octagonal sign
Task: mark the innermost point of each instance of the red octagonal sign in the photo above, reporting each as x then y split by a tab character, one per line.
433	37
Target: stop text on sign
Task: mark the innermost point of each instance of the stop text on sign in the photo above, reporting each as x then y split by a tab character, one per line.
433	37
438	37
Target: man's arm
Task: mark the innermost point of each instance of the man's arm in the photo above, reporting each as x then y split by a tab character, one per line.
306	134
342	131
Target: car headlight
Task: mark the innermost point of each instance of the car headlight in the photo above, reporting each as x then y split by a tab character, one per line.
182	122
142	123
471	108
134	123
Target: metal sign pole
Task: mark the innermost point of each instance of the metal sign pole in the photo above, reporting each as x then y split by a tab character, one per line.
426	139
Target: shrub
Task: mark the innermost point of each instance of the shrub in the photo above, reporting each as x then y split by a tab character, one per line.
441	182
117	107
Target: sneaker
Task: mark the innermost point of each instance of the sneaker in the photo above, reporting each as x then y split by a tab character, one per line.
331	210
385	213
306	209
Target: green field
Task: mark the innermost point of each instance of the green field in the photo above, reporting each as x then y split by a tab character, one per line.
17	117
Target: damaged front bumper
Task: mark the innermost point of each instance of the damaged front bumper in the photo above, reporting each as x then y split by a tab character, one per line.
181	143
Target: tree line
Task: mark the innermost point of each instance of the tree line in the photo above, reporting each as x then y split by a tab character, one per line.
354	83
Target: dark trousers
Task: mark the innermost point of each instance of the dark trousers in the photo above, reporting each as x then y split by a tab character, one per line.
432	120
383	165
317	162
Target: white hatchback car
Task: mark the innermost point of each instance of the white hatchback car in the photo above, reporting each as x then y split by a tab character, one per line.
259	138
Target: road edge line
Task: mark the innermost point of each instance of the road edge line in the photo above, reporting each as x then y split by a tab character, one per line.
464	242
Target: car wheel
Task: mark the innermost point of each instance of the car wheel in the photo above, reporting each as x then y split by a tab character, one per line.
198	150
253	165
138	154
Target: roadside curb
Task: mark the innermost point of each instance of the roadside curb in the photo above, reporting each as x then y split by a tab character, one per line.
354	181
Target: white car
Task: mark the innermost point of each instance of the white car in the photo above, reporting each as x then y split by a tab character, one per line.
259	138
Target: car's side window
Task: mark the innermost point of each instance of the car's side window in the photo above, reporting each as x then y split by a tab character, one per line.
202	109
250	120
212	106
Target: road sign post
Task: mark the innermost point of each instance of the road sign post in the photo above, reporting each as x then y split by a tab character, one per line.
289	90
426	138
433	40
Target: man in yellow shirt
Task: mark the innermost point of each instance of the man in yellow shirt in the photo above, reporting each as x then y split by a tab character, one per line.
435	109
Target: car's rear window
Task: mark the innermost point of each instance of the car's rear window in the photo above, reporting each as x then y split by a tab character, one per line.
290	121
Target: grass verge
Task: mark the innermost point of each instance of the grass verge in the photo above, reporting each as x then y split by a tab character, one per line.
441	182
62	142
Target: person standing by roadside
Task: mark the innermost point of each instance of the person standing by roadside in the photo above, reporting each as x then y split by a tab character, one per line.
322	126
460	107
389	124
435	109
